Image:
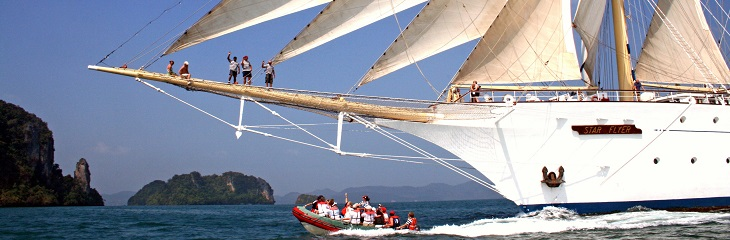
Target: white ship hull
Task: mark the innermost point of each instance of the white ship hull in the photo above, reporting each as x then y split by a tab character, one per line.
603	172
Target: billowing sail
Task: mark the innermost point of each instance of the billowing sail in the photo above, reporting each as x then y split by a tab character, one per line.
587	25
233	15
441	25
683	52
531	41
340	18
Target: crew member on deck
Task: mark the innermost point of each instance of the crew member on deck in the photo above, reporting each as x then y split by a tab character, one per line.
637	88
475	88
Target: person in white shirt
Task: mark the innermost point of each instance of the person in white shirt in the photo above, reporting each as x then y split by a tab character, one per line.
246	71
233	68
270	73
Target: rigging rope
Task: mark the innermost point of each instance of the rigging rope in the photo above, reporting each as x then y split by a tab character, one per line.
167	43
405	159
400	28
137	33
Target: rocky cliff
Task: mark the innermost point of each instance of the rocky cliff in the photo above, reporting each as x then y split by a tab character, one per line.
193	189
28	174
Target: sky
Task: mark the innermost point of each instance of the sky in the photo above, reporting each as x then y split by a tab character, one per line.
132	135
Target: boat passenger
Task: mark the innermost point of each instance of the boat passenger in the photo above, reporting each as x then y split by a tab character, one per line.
323	206
353	216
365	201
393	220
411	223
334	211
184	72
384	211
379	218
347	208
368	217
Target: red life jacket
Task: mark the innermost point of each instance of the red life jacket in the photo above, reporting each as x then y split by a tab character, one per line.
413	225
395	220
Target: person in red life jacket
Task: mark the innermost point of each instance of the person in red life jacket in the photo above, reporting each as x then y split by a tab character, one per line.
347	208
411	223
393	220
384	211
353	216
323	207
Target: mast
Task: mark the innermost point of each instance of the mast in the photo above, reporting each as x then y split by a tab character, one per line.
623	63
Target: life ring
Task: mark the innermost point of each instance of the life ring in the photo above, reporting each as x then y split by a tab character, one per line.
594	98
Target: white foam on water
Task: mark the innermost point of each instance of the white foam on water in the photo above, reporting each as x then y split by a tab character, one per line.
552	220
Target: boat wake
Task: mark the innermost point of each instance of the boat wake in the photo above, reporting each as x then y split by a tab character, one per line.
553	220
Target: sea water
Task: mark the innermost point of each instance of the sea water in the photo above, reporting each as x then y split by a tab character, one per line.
482	219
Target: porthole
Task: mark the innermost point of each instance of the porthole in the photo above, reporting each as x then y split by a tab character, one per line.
714	120
682	119
693	160
727	160
656	160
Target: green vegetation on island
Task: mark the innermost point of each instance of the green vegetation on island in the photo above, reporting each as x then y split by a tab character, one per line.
304	199
28	174
229	188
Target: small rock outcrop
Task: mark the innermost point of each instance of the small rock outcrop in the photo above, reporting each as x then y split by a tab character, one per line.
82	176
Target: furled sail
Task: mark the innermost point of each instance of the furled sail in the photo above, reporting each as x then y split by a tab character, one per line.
671	39
233	15
587	25
441	25
531	41
340	18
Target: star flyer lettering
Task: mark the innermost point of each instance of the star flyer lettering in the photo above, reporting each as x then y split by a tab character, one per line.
606	129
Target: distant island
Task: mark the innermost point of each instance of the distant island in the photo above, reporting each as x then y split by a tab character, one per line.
229	188
428	193
28	175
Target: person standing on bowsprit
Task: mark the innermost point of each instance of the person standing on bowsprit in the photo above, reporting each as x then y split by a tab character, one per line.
270	73
233	67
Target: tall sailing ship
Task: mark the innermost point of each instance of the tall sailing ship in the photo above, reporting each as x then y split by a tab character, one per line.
550	131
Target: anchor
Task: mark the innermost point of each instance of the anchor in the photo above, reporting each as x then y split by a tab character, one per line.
550	179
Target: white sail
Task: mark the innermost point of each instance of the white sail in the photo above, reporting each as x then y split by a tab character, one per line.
689	56
587	25
340	18
441	25
531	41
233	15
